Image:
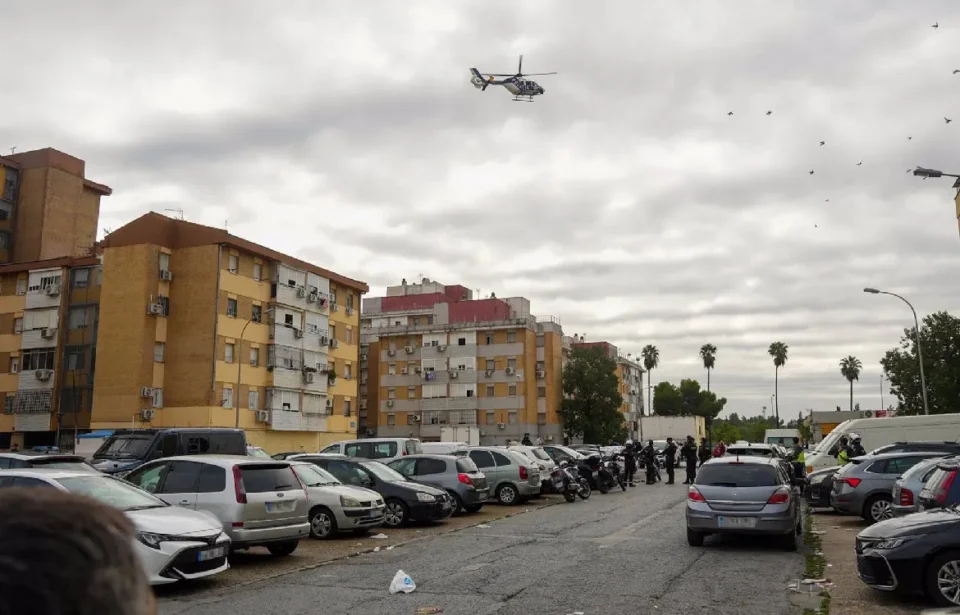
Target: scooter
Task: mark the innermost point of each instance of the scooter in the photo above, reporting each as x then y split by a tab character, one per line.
567	480
612	474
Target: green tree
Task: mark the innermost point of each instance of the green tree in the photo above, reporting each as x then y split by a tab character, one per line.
940	336
726	431
688	399
850	368
651	360
708	354
668	399
591	404
777	350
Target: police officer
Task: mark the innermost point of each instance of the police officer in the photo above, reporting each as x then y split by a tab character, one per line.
842	455
797	458
689	454
704	452
649	455
856	449
630	462
670	459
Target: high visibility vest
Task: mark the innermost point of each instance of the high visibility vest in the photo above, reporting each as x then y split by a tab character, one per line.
842	458
802	457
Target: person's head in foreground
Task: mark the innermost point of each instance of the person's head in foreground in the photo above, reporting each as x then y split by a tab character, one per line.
64	554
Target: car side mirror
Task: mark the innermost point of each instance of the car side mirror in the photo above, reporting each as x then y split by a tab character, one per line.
366	482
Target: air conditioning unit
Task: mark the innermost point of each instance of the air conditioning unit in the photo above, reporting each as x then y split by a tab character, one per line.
329	403
441	347
389	403
334	344
166	274
349	310
312	297
541	373
510	371
52	290
48	333
324	340
408	349
334	307
391	353
146	414
43	374
453	373
416	418
363	404
146	392
404	371
155	309
501	425
417	369
321	300
308	377
301	292
488	373
263	416
298	333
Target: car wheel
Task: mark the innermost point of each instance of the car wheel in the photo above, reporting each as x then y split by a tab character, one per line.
878	508
473	509
507	494
283	548
789	541
457	504
942	580
694	538
396	514
323	524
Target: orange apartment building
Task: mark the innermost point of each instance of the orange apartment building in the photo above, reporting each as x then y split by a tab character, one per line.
434	356
630	381
201	328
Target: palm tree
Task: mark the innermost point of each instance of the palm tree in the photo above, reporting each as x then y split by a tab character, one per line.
708	352
651	359
777	350
850	368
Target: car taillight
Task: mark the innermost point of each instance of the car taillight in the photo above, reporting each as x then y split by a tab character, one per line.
238	486
780	496
463	478
906	497
694	495
523	473
944	488
853	482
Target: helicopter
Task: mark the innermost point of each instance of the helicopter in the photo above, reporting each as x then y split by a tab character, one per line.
523	90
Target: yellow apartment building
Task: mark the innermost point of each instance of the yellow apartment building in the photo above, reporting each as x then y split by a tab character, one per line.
201	328
435	357
629	381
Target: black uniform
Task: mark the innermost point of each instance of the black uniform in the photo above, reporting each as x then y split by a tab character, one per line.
856	449
649	456
526	440
670	460
629	463
704	452
689	454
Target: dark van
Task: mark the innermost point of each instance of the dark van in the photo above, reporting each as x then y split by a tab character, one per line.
128	449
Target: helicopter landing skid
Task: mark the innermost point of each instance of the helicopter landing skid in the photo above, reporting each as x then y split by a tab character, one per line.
518	99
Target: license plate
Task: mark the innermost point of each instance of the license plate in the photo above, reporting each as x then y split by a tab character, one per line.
209	554
482	494
744	522
277	507
376	512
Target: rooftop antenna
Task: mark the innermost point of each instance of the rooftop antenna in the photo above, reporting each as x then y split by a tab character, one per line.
13	149
177	211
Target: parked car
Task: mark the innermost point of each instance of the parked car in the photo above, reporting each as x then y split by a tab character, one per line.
458	476
173	543
753	449
334	507
444	448
259	502
127	449
378	449
864	486
561	453
540	457
918	447
746	495
256	451
942	489
818	486
405	499
907	488
286	455
512	477
12	461
917	554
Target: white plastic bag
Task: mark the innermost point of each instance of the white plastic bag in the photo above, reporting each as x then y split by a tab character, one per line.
402	583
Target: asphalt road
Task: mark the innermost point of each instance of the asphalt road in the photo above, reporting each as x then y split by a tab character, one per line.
613	554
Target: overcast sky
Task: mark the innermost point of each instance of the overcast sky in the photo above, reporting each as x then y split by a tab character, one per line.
625	201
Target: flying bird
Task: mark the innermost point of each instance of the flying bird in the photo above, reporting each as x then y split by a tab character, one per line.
947	120
816	226
956	71
730	113
827	201
936	25
822	143
909	138
811	171
859	163
771	112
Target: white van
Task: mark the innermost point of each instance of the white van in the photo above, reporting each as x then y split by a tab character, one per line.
378	449
877	432
445	448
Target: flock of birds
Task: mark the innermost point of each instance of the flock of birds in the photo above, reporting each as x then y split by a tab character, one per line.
946	120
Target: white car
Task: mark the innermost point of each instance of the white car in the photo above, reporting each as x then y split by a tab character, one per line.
335	507
173	543
538	456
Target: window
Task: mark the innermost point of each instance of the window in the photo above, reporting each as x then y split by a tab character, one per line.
392	420
227	397
491	417
253	399
512	390
14	366
391	393
411	392
181	477
164	304
489	338
158	349
392	369
157	398
461	341
75	358
541	391
164	261
234	263
288	320
81	277
502	460
38	358
350	300
333	332
428	466
228	352
511	363
18	325
256	313
731	475
49	281
512	417
333	295
511	337
212	479
257	271
483	459
78	318
491	365
490	391
232	308
541	365
349	335
254	357
542	418
541	342
22	286
346	371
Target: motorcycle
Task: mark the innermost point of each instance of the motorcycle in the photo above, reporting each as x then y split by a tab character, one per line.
567	481
590	469
613	473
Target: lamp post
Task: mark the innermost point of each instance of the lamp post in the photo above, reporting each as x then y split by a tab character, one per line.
239	359
925	173
916	322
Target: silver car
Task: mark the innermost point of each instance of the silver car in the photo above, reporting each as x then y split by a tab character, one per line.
749	495
260	502
906	490
512	478
335	507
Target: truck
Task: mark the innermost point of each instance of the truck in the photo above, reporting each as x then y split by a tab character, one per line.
676	427
460	433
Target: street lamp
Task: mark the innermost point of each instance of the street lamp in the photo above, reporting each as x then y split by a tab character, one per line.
239	359
921	172
916	322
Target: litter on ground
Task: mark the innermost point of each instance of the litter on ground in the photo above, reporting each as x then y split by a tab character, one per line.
402	583
379	537
483	526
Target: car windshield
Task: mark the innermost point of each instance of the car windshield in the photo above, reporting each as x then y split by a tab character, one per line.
736	475
133	447
111	491
312	476
539	454
384	473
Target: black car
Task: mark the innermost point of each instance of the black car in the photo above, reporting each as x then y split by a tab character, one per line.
405	499
817	487
52	461
915	554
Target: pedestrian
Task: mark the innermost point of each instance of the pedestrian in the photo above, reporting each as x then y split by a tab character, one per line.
526	440
630	462
670	459
689	454
720	449
649	455
797	458
842	451
65	554
856	449
704	451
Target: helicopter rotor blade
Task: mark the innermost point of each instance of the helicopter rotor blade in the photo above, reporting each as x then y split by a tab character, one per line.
499	74
520	65
538	74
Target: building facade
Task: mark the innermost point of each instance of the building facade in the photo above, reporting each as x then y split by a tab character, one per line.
629	381
200	328
435	356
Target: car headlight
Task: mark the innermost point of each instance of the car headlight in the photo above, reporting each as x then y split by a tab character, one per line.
153	540
425	497
349	502
890	543
816	480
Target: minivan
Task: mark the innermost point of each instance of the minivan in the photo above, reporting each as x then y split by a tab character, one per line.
128	449
384	450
